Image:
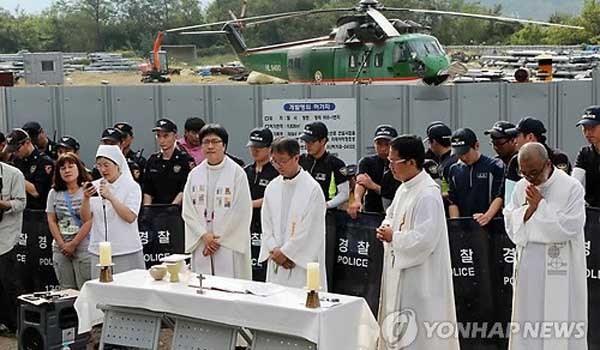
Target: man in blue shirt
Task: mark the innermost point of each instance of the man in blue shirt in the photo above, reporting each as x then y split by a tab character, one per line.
475	182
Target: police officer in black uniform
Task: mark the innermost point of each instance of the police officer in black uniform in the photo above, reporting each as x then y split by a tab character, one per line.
37	167
111	137
532	130
587	166
68	144
135	160
504	143
259	173
166	170
374	175
328	170
440	151
40	139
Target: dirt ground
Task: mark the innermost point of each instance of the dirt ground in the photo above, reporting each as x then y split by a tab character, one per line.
187	77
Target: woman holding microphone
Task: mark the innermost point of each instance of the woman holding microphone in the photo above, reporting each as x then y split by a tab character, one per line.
114	212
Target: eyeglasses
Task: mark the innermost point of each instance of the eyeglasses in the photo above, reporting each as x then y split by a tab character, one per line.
397	161
533	175
280	162
213	142
498	143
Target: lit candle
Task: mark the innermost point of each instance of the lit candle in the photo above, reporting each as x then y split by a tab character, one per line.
312	276
105	254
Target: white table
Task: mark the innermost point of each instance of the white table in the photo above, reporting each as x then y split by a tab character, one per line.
347	325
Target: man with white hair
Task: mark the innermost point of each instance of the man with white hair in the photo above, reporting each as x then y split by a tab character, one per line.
545	219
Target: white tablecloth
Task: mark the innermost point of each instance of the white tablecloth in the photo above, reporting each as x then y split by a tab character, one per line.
348	325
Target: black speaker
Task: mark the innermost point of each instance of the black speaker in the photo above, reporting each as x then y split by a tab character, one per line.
48	321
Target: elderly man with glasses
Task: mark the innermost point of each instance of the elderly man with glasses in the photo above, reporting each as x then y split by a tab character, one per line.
545	219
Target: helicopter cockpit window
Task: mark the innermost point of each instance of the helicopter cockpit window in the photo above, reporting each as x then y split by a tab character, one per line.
426	47
378	59
401	53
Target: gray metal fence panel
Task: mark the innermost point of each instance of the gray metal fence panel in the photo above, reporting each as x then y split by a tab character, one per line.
478	108
575	96
235	108
275	92
379	105
332	91
85	111
181	102
3	113
84	116
428	104
534	100
35	103
139	106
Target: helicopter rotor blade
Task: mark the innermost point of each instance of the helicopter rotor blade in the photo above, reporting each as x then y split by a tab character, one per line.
480	16
206	32
301	14
220	23
244	7
383	22
262	18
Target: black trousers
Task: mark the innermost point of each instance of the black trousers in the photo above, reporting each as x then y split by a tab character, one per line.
10	289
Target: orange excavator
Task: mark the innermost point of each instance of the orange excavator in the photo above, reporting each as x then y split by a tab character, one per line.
157	73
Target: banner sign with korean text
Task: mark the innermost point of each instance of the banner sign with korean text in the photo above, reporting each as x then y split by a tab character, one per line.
358	257
34	254
161	232
288	117
470	255
592	253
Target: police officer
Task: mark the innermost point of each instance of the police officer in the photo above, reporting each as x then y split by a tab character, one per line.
133	158
504	142
587	166
112	137
166	170
259	173
440	151
36	166
527	130
475	183
373	181
40	140
67	144
328	170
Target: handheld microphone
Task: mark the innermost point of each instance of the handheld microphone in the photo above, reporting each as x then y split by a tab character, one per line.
103	183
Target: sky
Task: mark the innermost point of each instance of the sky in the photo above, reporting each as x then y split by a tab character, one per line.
29	6
36	6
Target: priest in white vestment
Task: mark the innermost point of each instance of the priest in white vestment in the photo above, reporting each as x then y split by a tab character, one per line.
545	219
417	276
217	210
293	220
